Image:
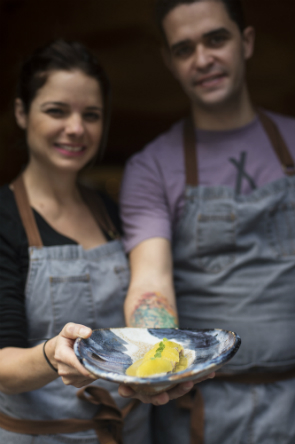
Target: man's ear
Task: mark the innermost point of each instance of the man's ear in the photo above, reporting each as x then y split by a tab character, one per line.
20	115
248	41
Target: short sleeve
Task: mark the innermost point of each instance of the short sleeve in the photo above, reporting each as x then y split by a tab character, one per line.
143	204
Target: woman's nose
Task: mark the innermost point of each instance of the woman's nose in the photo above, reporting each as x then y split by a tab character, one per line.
75	125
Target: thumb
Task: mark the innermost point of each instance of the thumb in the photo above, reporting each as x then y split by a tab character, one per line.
74	331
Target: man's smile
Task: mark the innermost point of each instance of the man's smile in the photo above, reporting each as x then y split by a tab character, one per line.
209	80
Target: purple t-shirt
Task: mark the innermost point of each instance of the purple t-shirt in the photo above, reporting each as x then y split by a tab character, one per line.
152	194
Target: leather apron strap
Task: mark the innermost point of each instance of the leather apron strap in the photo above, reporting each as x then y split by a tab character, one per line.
278	143
99	212
108	423
26	213
190	152
271	129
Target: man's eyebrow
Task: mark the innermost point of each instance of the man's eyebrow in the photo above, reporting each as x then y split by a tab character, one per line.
177	45
216	31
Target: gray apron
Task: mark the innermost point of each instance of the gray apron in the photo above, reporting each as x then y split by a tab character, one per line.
70	284
234	268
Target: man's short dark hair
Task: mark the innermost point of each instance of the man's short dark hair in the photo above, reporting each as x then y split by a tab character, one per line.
233	7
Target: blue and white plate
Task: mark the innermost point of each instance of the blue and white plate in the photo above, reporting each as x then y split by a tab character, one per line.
109	352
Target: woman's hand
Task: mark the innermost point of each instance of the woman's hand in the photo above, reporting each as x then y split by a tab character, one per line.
61	354
162	398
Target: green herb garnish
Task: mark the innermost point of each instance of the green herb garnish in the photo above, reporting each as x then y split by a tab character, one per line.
159	350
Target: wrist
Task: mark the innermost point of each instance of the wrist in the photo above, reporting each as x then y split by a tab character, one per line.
49	353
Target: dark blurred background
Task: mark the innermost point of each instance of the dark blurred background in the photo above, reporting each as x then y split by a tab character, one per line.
146	100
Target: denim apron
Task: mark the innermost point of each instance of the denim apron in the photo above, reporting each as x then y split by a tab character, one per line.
234	268
70	284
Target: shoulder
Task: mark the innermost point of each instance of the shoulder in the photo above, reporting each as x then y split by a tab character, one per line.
286	124
6	194
11	228
8	208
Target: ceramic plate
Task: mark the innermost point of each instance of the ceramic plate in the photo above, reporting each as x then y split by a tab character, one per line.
109	352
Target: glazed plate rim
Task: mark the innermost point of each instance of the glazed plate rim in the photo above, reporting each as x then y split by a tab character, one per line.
192	372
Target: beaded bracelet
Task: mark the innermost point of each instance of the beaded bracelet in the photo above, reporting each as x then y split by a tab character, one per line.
45	356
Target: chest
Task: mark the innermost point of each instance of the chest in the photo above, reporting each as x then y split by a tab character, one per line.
76	223
218	230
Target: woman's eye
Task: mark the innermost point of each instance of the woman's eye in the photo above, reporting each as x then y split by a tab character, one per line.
92	117
55	112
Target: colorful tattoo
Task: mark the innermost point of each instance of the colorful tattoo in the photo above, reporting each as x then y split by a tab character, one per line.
153	311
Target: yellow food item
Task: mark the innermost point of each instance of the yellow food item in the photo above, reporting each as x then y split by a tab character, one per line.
166	356
154	366
182	365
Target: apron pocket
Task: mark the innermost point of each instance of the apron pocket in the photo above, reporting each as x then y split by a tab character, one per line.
72	301
123	275
281	229
216	241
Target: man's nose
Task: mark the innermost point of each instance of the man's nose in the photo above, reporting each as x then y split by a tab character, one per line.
75	125
203	57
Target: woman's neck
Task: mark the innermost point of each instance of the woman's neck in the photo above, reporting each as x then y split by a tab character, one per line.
50	184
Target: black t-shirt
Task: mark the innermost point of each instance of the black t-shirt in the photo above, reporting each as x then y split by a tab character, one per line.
14	263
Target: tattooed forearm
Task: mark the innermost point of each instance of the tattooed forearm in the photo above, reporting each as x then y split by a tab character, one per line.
153	311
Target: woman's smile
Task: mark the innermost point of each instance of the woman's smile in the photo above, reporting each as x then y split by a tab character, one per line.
69	149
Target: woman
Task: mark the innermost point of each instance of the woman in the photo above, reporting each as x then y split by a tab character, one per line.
62	265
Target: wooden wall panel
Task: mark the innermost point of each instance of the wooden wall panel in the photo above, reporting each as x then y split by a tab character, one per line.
146	100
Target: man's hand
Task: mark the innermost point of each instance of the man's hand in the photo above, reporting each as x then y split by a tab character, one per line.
162	398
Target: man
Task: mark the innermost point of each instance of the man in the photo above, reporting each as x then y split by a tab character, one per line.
209	216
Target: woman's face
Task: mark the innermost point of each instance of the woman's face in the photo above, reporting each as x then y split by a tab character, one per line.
65	122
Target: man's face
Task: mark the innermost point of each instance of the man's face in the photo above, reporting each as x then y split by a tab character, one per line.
206	52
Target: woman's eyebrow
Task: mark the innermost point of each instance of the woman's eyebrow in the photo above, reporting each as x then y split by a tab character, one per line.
93	107
97	108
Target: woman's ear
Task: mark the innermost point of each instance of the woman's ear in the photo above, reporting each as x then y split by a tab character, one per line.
20	115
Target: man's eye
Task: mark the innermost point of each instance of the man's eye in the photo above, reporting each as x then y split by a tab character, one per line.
217	40
55	112
184	52
92	117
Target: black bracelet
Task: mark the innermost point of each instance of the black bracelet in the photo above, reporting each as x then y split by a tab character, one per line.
45	356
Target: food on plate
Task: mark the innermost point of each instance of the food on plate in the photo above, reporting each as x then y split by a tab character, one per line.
165	357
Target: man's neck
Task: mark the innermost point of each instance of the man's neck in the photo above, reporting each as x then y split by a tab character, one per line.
229	116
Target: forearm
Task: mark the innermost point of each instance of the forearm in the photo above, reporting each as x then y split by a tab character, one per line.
23	370
150	300
151	310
